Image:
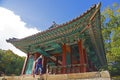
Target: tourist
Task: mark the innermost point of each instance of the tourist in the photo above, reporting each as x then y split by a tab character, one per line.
38	65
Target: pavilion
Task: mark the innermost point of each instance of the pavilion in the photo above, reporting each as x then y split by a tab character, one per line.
72	47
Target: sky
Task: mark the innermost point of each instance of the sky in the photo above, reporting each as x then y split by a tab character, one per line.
21	18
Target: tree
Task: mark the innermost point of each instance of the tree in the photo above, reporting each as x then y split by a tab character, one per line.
111	35
10	63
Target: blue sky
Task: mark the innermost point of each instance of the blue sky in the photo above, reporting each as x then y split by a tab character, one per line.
41	13
21	18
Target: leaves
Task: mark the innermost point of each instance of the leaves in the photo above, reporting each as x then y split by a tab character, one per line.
10	63
110	19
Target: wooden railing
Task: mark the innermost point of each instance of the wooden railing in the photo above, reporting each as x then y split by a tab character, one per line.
68	69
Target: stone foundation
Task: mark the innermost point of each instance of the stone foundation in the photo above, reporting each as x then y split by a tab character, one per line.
103	75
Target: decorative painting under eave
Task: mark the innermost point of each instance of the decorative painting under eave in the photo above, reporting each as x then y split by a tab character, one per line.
68	32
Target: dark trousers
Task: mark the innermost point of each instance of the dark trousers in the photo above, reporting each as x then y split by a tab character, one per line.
38	67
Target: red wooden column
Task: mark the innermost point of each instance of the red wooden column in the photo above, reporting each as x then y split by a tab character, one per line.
24	66
44	63
64	50
82	59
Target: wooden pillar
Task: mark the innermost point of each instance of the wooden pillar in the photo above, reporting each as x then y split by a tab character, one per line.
64	50
44	63
24	66
81	53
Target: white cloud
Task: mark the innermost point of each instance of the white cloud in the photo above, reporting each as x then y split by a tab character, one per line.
11	25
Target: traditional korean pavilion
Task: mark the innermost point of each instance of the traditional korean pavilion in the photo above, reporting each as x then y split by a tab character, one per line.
72	47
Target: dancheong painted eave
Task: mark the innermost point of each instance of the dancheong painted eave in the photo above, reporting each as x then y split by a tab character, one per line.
11	40
59	34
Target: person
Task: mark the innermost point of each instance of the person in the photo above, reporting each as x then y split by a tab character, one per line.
38	65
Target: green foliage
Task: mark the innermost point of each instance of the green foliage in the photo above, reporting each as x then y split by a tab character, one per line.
10	63
111	35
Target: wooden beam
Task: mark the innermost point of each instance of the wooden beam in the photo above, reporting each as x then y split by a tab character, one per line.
56	54
54	60
88	26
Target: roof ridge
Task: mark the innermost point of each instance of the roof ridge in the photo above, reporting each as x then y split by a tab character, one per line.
68	22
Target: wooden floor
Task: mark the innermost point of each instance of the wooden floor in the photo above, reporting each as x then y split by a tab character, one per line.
103	75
